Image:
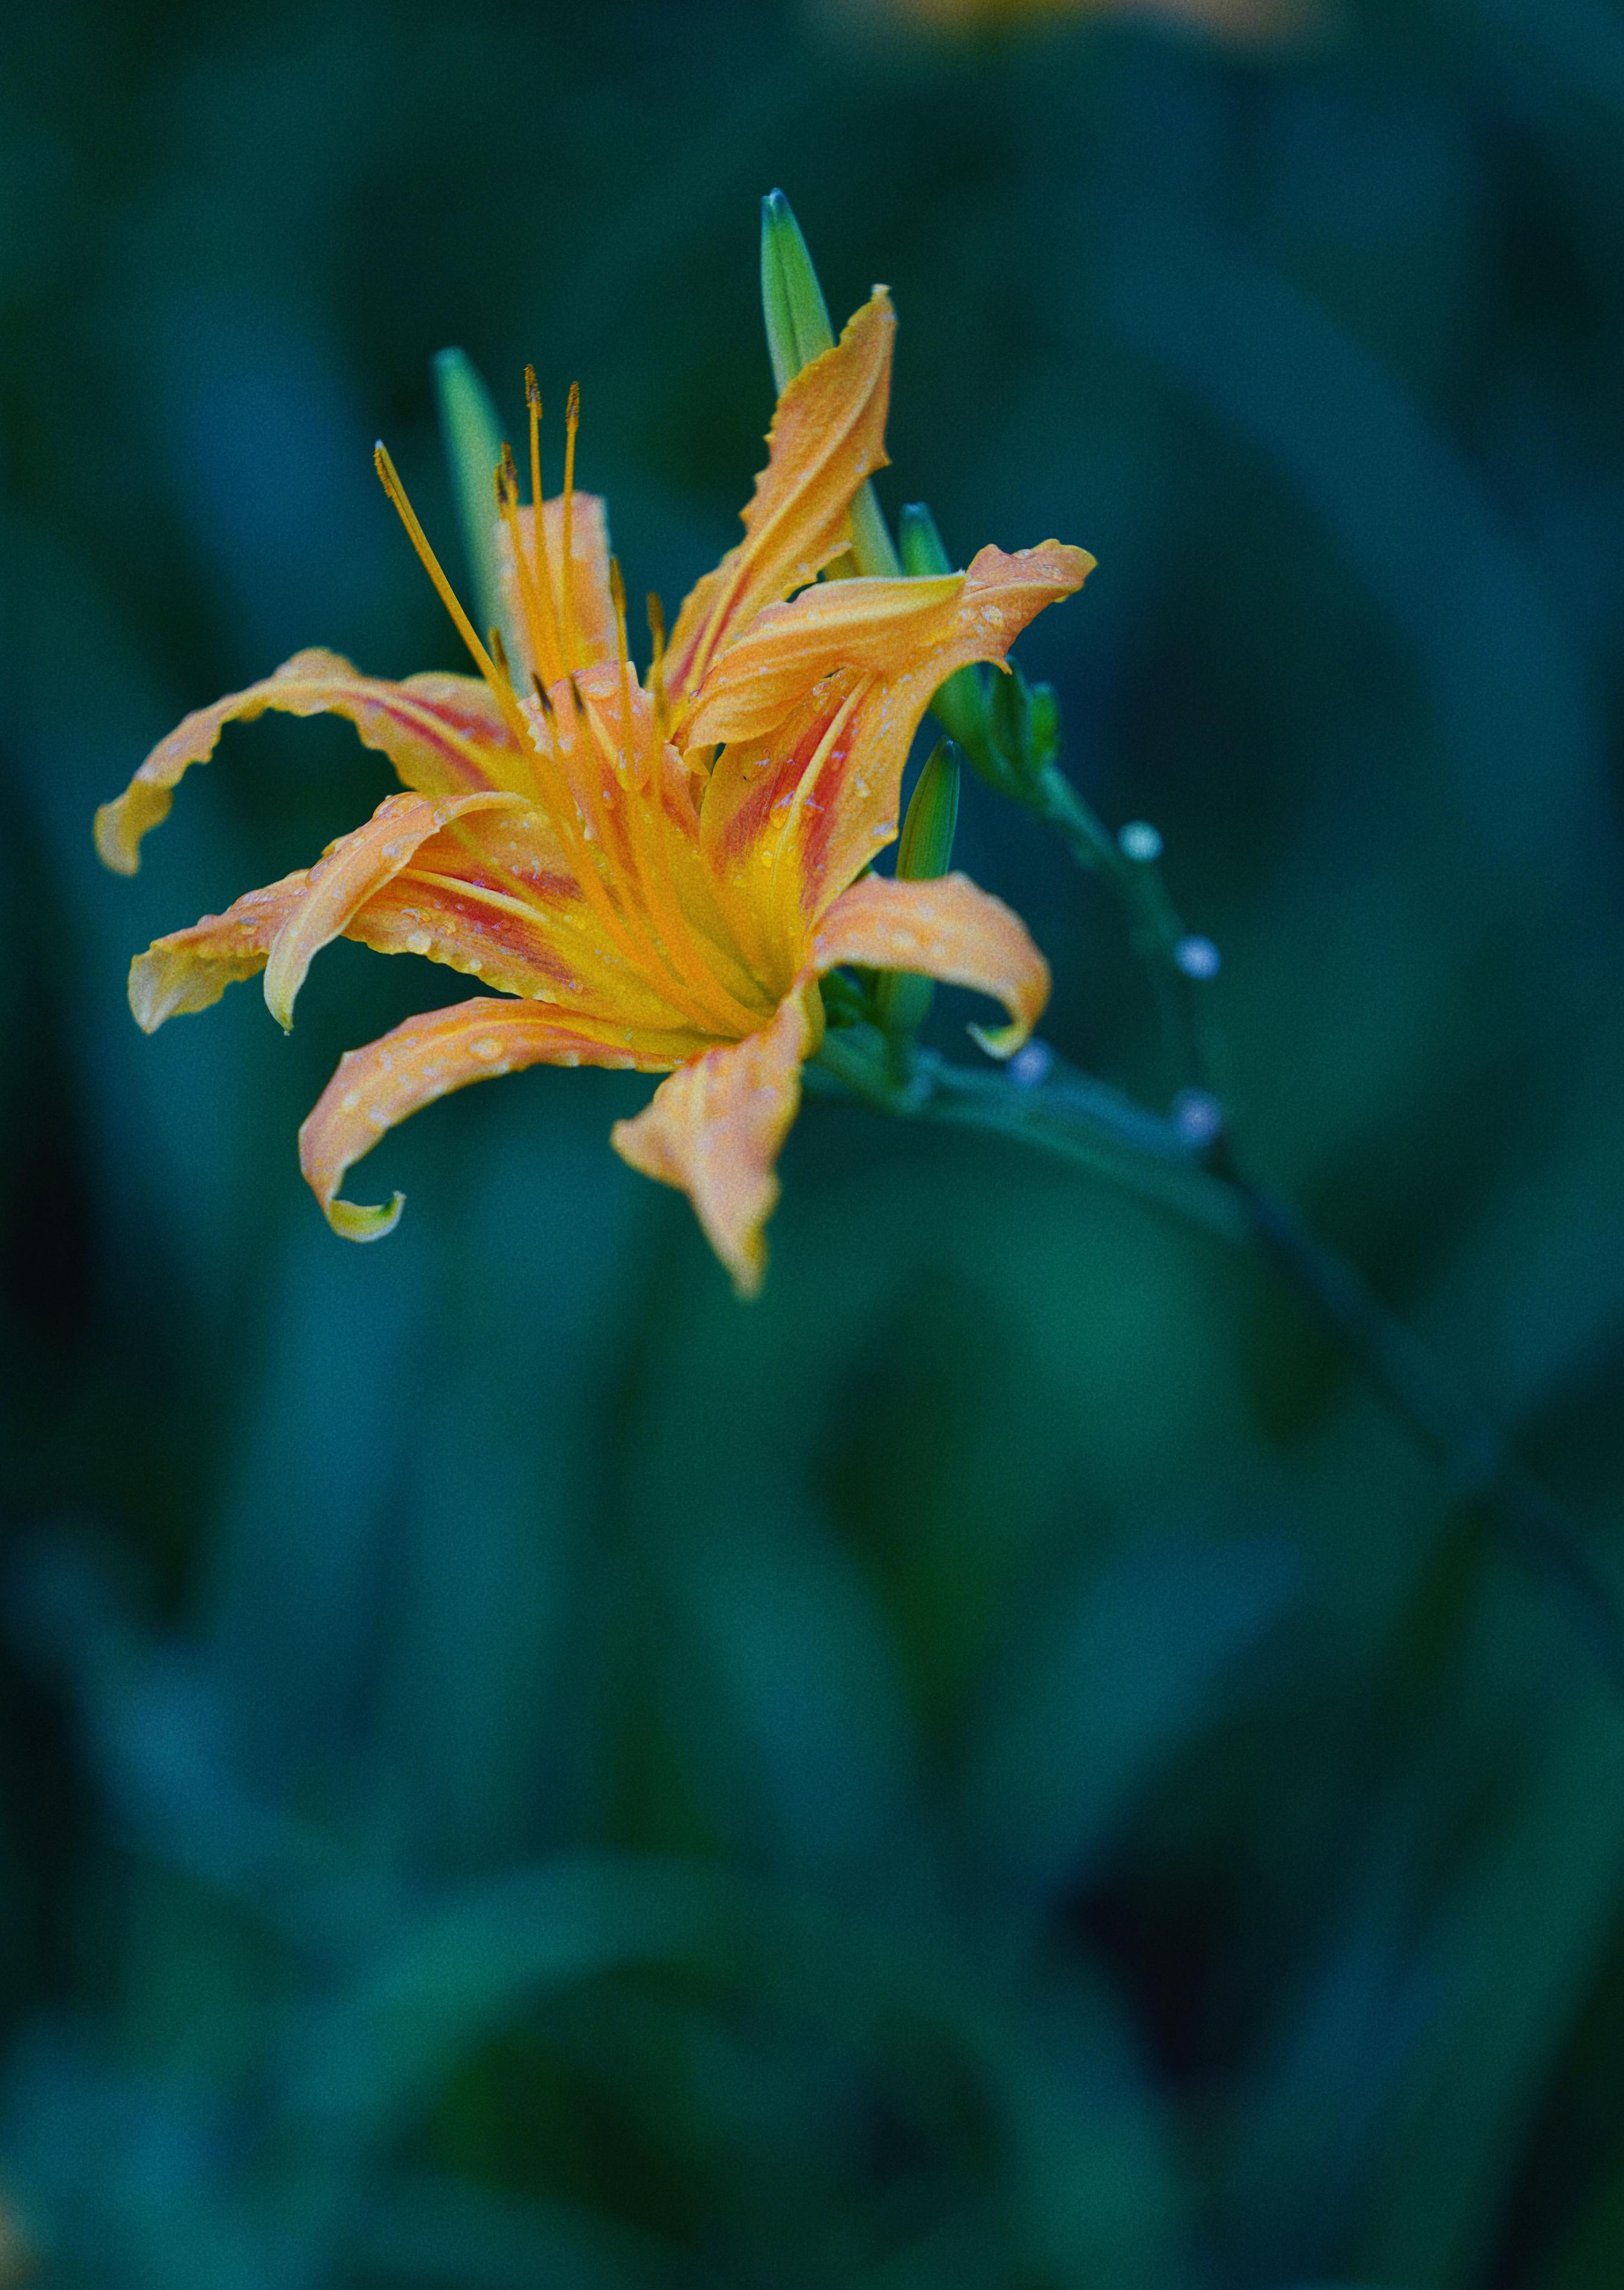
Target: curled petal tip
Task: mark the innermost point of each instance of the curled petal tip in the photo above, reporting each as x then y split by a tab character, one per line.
119	829
352	1221
1000	1041
279	1002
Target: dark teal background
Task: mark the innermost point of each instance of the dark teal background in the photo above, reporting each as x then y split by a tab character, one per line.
999	1765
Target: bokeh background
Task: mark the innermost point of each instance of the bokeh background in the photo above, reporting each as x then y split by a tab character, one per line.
1000	1764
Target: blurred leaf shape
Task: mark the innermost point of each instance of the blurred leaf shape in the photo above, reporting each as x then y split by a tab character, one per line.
1123	1669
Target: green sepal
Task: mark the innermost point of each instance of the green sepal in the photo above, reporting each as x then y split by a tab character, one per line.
472	436
902	1000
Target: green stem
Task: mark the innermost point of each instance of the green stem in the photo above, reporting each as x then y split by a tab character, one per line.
1197	1174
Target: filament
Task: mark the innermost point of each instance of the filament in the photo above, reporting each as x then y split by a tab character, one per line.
390	479
571	423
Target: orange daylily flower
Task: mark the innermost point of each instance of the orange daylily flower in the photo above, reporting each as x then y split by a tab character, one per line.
651	872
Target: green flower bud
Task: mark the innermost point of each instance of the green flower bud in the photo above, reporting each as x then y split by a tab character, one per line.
960	704
924	555
792	301
901	1001
472	437
798	330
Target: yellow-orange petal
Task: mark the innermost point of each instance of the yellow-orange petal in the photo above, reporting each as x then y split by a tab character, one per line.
851	729
341	882
444	736
948	929
889	629
192	968
881	628
714	1130
427	1057
591	607
828	438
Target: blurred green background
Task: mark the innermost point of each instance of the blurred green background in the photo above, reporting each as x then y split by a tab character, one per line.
999	1765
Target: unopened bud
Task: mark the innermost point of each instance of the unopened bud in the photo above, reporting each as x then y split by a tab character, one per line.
925	849
798	330
1198	1117
902	1001
1197	957
924	554
960	704
792	301
1030	1064
1140	842
472	437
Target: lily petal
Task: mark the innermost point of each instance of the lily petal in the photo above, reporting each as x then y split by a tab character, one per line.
192	968
444	736
828	439
427	1057
818	796
944	928
340	883
714	1130
878	626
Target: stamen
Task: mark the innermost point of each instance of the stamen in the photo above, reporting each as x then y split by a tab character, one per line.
538	609
671	941
571	423
657	665
617	598
389	477
544	577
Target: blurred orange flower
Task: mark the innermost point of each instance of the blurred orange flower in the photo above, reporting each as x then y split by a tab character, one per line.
1237	19
651	872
